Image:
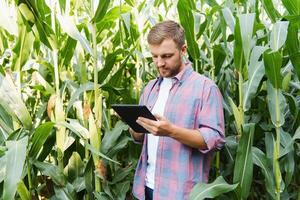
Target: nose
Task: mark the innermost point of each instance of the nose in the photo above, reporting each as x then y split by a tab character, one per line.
160	62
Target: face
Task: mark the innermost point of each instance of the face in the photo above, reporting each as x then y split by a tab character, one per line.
168	58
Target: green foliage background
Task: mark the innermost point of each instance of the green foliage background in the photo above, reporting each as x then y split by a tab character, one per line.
63	63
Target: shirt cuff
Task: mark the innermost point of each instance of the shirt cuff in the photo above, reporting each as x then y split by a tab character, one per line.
213	139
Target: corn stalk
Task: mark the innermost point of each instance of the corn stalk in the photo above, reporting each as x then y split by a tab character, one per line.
58	111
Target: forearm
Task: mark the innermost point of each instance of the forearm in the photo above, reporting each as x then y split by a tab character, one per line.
190	137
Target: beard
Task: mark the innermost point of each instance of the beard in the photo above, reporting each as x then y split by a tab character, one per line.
171	71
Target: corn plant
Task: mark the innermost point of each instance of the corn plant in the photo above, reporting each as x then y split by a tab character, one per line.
63	63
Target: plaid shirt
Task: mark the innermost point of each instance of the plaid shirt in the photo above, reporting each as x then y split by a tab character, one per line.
194	102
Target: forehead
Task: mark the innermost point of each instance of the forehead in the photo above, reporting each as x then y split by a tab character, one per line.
167	46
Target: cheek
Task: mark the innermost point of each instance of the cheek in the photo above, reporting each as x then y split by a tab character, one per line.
173	61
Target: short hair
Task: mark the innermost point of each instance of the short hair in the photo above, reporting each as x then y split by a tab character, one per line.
166	30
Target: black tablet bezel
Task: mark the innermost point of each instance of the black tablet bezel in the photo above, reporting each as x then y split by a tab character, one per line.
130	112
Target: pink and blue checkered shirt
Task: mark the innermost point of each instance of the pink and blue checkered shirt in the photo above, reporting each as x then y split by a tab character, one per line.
194	102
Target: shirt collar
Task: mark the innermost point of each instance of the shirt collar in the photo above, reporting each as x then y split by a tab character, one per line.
181	76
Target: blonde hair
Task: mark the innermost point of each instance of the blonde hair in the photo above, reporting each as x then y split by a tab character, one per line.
166	30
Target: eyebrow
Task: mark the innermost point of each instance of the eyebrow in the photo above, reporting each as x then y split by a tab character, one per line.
153	54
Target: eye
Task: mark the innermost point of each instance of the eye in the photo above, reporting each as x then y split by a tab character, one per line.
167	56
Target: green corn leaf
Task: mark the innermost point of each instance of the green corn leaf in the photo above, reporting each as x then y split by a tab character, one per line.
247	23
297	134
269	141
109	19
88	175
212	190
187	21
83	88
36	76
292	104
288	167
45	33
272	62
6	121
250	86
243	168
101	196
228	16
295	58
270	9
52	171
256	72
111	137
216	31
76	127
66	192
23	191
47	147
278	35
292	6
79	184
121	144
219	57
276	105
121	173
67	52
260	159
2	167
126	18
197	18
290	145
11	100
94	151
23	46
74	168
212	3
286	81
237	116
293	47
239	58
15	159
68	26
123	188
39	138
287	163
110	61
101	10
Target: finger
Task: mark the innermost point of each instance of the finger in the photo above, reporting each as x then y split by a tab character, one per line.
148	127
148	121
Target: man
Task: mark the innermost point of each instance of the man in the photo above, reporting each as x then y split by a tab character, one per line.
177	153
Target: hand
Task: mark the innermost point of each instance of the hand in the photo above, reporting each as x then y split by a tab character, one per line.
137	136
162	127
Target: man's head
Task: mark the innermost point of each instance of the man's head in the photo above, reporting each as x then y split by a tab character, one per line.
166	30
167	45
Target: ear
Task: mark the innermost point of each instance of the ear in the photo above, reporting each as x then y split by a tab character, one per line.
183	49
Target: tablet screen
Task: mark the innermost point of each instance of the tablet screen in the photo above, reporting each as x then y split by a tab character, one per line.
129	114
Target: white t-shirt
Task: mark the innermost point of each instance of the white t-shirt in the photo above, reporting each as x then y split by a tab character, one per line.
152	144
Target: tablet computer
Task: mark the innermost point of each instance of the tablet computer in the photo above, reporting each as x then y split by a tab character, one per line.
129	114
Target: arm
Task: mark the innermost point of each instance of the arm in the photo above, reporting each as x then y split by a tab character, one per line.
210	120
163	127
138	137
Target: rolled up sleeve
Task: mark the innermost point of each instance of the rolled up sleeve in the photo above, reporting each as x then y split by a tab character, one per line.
211	119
